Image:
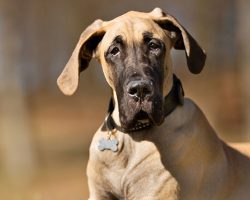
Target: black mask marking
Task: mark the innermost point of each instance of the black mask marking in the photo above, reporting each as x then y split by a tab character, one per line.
138	74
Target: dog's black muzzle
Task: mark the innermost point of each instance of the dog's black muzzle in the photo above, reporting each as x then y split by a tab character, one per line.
144	101
144	108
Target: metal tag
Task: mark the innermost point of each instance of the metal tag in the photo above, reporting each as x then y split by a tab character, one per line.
108	144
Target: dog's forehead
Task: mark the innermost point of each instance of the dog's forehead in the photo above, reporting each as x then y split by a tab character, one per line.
131	26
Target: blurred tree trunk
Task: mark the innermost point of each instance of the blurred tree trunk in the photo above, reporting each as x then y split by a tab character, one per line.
244	55
15	136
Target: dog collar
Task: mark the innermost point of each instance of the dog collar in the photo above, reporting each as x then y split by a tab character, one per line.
174	98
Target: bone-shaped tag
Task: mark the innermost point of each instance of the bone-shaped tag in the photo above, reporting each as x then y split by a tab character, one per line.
108	144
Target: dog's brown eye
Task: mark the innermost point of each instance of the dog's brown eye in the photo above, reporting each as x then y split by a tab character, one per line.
115	51
153	46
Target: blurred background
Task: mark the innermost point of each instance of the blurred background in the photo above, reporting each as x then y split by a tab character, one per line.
45	136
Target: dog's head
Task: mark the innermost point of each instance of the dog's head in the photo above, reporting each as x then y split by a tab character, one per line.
134	51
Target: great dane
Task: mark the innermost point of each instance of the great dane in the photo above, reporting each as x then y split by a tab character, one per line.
154	144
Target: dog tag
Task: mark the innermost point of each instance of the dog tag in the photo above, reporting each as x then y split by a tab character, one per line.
108	144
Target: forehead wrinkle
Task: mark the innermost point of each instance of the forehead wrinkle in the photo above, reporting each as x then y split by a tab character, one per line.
132	30
118	40
147	27
147	34
113	33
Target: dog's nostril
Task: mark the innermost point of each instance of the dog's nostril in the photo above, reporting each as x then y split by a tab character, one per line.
146	90
132	91
139	89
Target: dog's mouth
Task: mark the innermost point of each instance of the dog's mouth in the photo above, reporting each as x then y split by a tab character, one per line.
141	118
146	113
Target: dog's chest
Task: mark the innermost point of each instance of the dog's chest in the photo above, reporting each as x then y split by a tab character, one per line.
135	172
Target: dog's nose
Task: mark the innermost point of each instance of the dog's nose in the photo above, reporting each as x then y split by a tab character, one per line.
140	89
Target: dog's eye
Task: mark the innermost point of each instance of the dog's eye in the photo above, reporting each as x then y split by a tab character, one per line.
115	51
154	46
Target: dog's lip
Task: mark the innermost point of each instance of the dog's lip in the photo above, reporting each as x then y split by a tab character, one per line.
144	112
156	123
141	116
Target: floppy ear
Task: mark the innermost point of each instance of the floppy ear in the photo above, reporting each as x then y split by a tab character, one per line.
195	55
80	58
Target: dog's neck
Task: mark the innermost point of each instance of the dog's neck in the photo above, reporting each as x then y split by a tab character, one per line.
190	151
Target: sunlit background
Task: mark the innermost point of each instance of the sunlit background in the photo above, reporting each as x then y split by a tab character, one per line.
44	136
